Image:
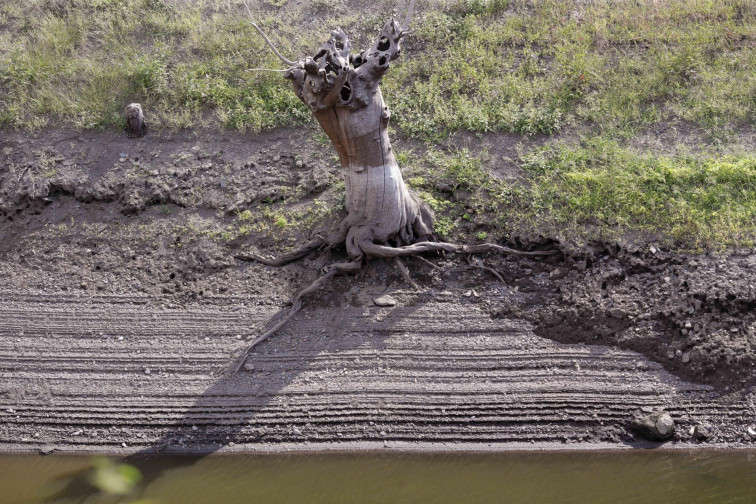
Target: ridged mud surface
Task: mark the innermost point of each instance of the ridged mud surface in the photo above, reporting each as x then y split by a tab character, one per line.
119	374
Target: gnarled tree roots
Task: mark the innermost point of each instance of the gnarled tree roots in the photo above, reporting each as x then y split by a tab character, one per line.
377	251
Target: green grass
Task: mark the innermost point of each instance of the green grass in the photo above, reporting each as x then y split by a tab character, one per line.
595	189
603	74
691	201
480	65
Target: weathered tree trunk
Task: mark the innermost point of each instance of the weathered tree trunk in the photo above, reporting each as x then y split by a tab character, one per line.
343	92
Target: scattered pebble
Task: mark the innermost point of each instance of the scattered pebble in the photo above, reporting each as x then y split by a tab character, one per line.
147	371
751	432
249	366
700	433
384	301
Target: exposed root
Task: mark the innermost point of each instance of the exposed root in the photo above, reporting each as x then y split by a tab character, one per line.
477	263
242	359
371	250
426	261
330	272
375	250
405	273
287	257
490	270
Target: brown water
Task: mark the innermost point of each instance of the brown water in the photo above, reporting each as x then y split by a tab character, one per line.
532	478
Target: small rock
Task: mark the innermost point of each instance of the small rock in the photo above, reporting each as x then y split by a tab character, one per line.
700	433
678	353
124	445
468	293
296	431
46	449
751	431
616	312
686	357
147	371
670	355
384	301
249	366
658	426
231	443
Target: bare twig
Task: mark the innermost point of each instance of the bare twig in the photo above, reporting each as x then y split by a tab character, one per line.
265	70
407	19
252	21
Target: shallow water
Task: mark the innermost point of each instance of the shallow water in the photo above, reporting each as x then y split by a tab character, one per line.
533	478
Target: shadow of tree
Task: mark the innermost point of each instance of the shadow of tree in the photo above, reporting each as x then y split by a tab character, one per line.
281	395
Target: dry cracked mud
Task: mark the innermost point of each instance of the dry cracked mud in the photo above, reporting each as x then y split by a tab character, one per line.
121	307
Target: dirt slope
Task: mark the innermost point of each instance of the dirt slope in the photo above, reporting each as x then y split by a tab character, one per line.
121	305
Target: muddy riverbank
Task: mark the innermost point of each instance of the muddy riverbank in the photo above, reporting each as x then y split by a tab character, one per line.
122	306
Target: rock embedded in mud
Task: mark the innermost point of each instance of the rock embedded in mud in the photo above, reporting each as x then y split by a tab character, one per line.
384	301
657	426
700	433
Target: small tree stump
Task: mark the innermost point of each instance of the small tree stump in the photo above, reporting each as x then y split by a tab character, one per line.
136	127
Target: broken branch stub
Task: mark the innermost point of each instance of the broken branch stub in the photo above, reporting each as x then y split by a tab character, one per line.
135	124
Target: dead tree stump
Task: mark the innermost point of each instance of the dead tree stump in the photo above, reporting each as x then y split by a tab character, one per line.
385	218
